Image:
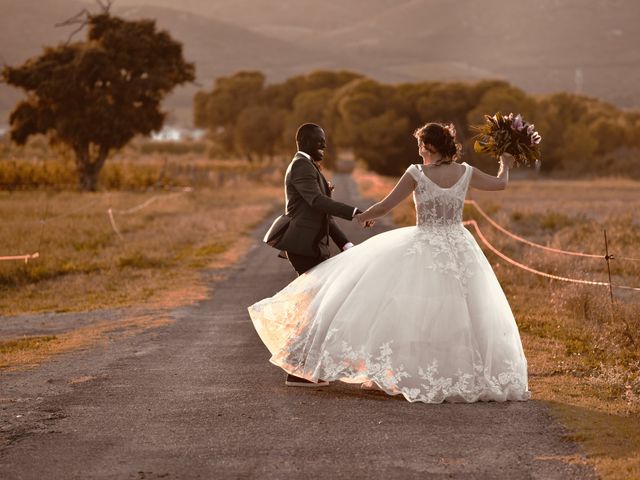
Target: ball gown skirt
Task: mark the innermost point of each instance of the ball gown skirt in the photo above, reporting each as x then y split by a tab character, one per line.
397	311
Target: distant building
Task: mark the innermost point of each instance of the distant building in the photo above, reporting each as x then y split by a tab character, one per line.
177	134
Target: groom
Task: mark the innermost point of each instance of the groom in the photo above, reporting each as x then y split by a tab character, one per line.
309	204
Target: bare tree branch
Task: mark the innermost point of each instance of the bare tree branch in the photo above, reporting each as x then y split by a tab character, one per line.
82	18
79	17
105	5
4	65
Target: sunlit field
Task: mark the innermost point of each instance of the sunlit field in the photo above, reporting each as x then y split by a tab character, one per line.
155	240
141	166
584	354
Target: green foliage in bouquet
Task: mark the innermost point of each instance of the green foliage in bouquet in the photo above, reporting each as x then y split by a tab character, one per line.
510	134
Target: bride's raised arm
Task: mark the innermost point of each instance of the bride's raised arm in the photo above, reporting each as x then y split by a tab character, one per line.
484	181
402	190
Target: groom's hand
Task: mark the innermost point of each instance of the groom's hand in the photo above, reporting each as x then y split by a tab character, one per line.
365	223
357	213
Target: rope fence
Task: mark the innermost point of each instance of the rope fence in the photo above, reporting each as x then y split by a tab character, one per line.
470	223
145	204
529	269
518	238
110	213
26	257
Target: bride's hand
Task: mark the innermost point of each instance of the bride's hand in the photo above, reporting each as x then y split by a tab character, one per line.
507	160
364	223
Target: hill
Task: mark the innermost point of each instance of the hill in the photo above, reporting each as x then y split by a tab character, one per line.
217	48
544	46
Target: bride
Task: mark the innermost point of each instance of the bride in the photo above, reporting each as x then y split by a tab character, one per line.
415	311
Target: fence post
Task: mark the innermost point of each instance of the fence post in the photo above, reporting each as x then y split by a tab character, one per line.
608	257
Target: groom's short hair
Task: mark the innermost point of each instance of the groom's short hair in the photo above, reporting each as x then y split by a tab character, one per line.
305	131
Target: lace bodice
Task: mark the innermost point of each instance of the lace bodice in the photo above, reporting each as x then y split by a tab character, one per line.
437	206
439	225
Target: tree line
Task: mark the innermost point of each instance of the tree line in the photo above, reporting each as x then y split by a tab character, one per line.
247	116
93	96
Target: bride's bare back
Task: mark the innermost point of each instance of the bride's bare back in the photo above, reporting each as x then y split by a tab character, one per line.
443	176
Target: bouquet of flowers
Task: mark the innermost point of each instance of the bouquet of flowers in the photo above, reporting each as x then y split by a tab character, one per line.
510	134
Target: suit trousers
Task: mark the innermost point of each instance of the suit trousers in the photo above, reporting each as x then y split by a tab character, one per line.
302	263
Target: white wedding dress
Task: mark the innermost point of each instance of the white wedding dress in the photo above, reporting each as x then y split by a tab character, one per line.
416	310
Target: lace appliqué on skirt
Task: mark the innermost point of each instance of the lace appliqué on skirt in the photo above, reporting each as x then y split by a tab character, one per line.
450	251
359	365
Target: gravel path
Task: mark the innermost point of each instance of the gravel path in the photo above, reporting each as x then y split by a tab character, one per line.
197	398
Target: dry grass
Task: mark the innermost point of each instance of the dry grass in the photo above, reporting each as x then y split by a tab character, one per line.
29	352
8	347
599	199
84	265
584	359
139	166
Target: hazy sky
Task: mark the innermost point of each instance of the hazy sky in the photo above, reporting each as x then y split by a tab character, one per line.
541	46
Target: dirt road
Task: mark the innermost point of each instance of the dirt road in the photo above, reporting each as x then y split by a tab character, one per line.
197	398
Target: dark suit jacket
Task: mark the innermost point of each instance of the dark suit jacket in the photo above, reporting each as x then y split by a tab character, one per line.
309	204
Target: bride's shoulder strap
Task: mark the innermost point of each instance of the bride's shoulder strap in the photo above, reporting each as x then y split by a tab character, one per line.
414	171
468	171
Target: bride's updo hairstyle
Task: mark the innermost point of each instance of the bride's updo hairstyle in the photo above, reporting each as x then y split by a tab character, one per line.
442	137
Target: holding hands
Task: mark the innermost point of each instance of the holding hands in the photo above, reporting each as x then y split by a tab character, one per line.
363	222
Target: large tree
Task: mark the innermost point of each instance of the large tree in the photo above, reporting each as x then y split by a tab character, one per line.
258	131
95	95
219	110
233	109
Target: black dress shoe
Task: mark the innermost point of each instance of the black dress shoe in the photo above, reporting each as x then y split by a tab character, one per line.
293	381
